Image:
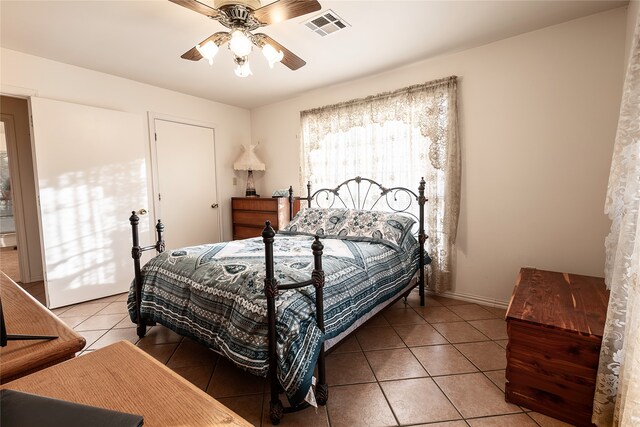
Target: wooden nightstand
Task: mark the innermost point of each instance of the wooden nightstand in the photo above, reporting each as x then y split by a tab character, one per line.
249	214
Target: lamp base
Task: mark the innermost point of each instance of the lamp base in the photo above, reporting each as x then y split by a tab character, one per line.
251	189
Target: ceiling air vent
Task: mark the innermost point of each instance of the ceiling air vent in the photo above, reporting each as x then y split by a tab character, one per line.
326	23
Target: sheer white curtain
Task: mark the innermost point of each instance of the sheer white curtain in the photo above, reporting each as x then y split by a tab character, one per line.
617	397
394	138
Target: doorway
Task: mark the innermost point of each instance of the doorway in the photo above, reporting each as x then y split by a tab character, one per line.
185	185
20	248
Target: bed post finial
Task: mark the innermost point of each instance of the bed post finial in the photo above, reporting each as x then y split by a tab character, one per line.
159	241
422	237
290	202
309	193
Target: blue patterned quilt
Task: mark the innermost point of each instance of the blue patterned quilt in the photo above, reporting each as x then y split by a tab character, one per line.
215	295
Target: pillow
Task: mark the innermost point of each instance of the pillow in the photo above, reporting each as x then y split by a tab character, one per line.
375	226
315	221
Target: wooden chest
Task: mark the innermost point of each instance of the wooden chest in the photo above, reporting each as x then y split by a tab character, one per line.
555	323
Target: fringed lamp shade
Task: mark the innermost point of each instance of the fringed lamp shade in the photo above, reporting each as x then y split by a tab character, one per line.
248	161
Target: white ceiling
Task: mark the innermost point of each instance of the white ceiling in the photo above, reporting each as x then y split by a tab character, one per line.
143	40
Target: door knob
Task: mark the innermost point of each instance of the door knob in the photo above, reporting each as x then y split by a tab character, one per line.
214	206
142	211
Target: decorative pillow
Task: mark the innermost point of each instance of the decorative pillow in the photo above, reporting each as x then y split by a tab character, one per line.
315	221
375	226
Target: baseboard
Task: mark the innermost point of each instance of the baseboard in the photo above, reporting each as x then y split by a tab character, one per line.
491	302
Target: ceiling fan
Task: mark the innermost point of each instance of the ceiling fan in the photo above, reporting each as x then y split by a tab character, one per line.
241	18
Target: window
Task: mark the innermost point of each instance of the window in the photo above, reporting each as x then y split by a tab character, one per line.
394	138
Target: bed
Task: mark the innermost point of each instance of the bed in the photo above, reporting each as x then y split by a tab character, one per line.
275	305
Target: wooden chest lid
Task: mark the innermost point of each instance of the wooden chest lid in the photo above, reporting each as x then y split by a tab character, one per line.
560	300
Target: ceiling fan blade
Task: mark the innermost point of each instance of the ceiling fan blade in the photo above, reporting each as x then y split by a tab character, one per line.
290	59
193	54
282	10
199	7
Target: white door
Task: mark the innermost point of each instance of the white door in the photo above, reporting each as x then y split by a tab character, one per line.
186	190
90	173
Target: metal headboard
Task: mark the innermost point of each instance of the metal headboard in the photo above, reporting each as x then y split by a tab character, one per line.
367	194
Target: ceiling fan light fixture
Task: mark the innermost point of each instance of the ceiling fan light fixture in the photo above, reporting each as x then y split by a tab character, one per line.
242	68
240	44
208	51
272	54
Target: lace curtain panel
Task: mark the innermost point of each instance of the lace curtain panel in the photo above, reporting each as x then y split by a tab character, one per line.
394	138
617	396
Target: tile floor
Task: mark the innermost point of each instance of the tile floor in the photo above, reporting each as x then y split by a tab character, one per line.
441	365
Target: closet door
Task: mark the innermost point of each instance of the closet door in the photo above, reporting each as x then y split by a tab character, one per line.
91	173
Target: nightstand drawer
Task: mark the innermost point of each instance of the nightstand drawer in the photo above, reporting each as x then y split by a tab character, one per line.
248	215
254	217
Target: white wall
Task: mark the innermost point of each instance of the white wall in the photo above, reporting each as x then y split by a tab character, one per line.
538	115
27	74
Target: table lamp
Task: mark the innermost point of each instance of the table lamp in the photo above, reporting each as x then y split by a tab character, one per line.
248	161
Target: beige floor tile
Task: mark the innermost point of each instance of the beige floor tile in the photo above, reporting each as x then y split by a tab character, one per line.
515	420
159	335
123	297
442	360
161	352
497	377
502	343
447	302
419	335
546	421
497	311
115	335
459	332
348	346
471	312
475	396
346	409
379	338
496	329
91	337
248	407
84	309
117	307
459	423
376	322
191	353
125	323
196	375
98	321
74	321
108	299
308	417
60	310
418	401
403	316
428	301
486	355
395	364
229	380
348	368
438	314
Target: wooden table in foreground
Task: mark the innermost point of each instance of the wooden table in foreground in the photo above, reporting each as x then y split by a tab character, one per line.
24	315
123	378
555	323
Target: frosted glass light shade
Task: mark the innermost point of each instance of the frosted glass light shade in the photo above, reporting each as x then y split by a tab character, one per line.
240	44
243	70
208	51
248	160
272	54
